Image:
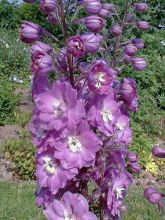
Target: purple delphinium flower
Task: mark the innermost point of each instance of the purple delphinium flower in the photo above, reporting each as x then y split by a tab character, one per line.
80	124
128	93
71	207
75	46
50	173
100	76
30	32
41	63
57	108
77	147
43	86
43	196
37	131
123	133
117	192
103	112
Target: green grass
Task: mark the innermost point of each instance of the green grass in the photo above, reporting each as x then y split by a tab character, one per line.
18	203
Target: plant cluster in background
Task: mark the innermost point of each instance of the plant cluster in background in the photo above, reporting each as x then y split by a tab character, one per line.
21	153
8	102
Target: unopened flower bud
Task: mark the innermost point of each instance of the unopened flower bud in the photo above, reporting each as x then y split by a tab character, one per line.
139	43
141	7
143	25
116	30
104	12
108	6
130	49
52	19
48	6
138	63
30	32
158	151
75	46
132	157
152	195
127	59
134	167
91	42
94	23
40	46
92	6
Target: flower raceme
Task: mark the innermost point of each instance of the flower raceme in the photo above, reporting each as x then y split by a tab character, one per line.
81	123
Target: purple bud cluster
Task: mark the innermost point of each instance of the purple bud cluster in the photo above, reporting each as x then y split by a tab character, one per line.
81	121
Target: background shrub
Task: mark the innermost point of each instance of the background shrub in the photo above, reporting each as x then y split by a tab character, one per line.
21	153
8	101
13	61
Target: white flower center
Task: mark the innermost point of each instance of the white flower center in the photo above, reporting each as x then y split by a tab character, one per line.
74	144
120	126
67	216
119	192
49	165
99	79
98	85
107	115
78	45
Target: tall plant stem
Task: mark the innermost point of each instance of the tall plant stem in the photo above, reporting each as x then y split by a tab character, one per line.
65	33
119	38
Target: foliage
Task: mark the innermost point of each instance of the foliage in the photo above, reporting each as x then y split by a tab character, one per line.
146	122
8	101
22	118
12	59
21	153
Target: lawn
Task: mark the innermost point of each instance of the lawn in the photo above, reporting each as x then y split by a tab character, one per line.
18	203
